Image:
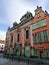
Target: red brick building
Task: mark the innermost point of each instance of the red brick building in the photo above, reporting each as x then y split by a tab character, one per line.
31	36
40	33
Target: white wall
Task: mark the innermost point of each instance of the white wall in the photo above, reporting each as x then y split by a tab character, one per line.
2	46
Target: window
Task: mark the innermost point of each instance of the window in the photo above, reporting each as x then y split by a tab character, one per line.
47	52
39	24
35	52
27	34
43	22
39	37
45	36
11	39
37	15
27	51
18	38
18	52
34	38
34	26
1	47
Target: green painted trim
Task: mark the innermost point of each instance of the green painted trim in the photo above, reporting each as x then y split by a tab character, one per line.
35	52
18	53
42	54
39	24
47	52
45	33
34	38
39	37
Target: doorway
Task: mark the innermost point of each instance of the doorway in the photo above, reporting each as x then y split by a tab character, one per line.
27	51
18	52
41	54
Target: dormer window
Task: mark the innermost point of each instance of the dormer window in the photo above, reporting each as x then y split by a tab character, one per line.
38	15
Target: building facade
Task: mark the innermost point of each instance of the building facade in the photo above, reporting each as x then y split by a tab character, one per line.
18	38
40	33
31	36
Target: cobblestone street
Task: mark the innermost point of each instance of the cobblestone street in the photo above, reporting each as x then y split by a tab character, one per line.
23	61
4	61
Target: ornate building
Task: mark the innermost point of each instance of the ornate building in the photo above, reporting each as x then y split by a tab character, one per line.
19	36
31	36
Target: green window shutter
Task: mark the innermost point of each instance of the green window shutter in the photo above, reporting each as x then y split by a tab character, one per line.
11	50
38	25
34	38
47	52
18	53
35	52
22	51
41	54
33	26
8	52
27	51
43	22
45	36
39	37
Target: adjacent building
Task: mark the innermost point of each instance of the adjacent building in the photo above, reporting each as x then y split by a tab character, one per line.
2	45
31	36
40	33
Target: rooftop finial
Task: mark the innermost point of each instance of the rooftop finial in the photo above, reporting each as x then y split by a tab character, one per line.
46	12
37	6
15	23
8	28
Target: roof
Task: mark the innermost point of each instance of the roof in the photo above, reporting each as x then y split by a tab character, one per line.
24	19
2	41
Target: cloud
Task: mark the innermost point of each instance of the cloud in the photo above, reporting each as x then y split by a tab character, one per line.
43	3
16	8
2	35
13	10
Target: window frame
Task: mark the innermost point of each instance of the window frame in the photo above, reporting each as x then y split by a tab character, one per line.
37	15
34	38
46	38
39	37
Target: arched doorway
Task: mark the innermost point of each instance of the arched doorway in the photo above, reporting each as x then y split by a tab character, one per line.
41	54
27	51
18	52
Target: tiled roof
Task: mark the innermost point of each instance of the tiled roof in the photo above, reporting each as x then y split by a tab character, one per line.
2	41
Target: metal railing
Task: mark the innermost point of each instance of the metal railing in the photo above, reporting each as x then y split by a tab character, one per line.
28	61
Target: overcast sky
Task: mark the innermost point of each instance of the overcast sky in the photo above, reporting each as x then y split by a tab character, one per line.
12	10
